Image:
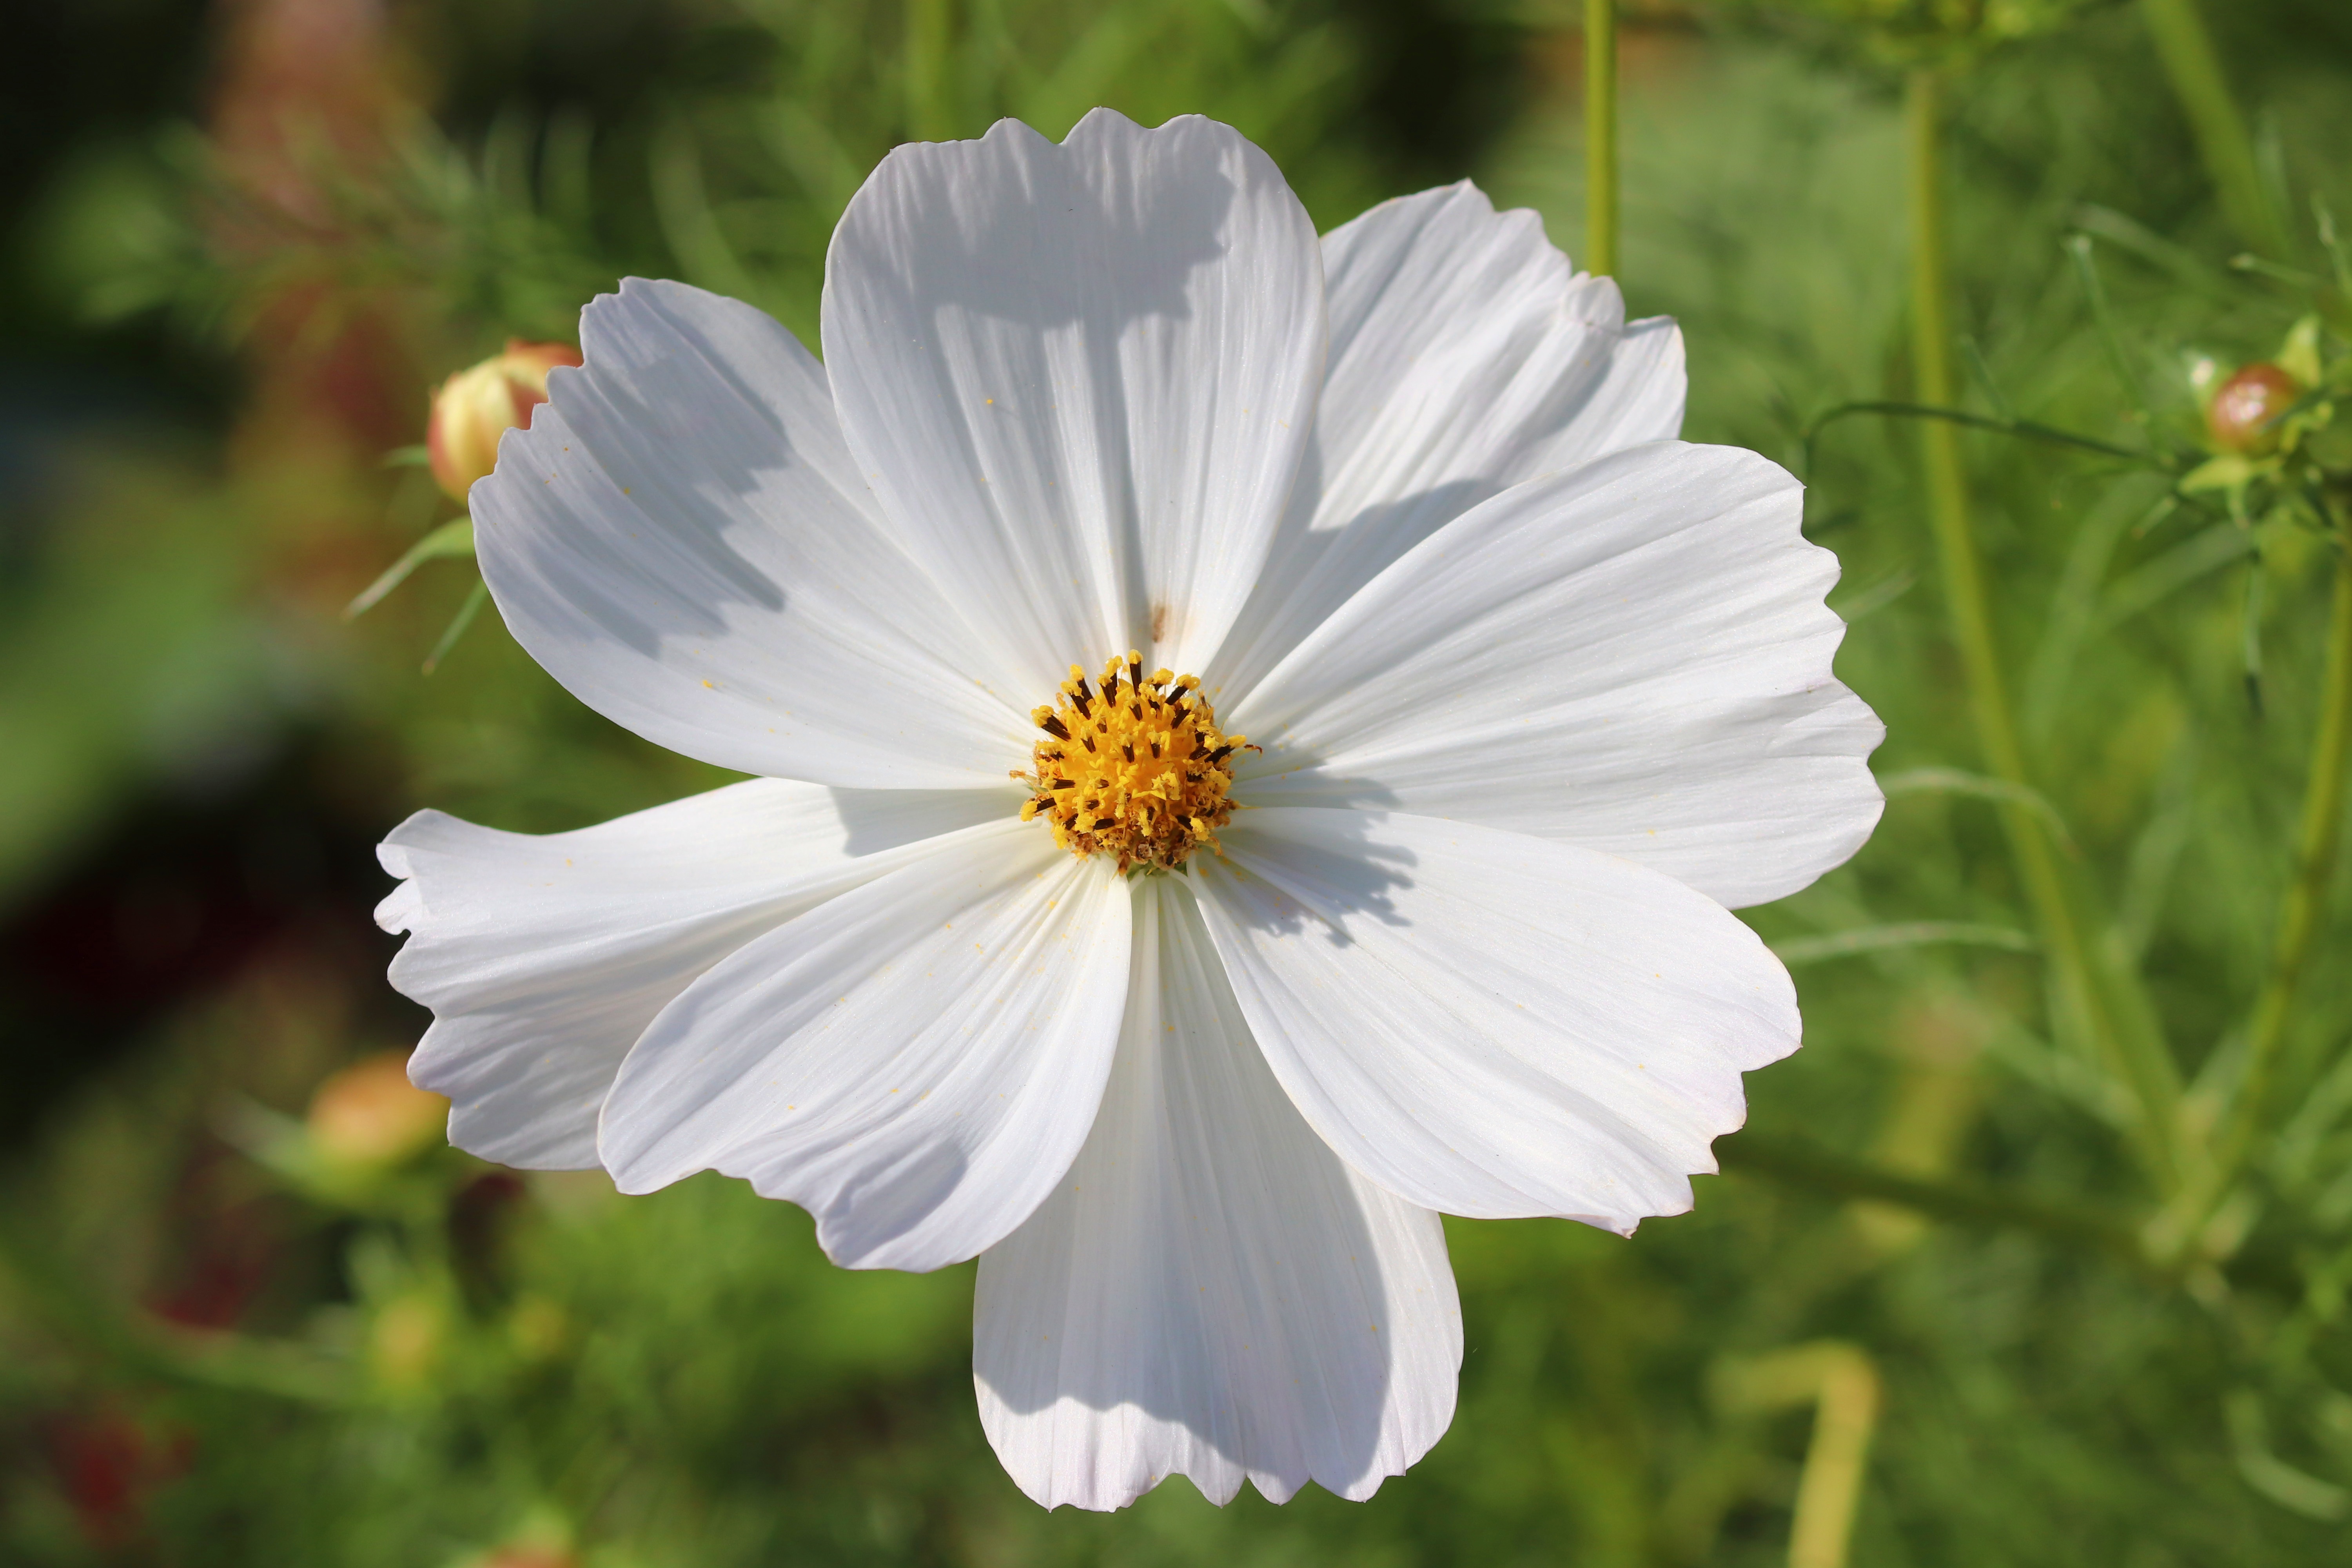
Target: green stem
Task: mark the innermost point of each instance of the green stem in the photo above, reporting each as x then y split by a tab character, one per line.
2027	429
2302	910
928	26
2185	49
455	537
1601	137
1955	1199
2097	1004
1960	1200
475	597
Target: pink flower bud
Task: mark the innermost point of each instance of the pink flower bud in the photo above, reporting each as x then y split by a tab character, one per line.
474	408
2243	414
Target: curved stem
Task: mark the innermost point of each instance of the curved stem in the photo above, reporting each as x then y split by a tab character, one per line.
1601	137
2025	428
2186	47
2098	1004
1841	1384
2305	904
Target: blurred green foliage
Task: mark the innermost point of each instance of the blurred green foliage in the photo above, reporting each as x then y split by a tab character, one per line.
223	1342
1912	31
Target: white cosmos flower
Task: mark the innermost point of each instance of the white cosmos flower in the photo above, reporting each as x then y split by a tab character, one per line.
1541	693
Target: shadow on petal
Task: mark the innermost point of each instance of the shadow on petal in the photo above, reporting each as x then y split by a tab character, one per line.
1210	1292
1316	888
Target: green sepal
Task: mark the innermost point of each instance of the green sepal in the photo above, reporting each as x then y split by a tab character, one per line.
2229	472
2298	354
455	537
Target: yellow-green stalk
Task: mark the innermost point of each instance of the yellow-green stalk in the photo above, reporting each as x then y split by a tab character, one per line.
1601	137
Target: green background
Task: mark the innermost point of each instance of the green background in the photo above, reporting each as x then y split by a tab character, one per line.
234	266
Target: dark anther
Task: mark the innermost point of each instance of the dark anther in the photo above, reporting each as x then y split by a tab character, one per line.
1061	784
1128	747
1089	740
1135	674
1155	750
1085	707
1053	726
1221	753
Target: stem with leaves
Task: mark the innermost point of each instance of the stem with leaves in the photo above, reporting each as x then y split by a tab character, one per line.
2092	991
2302	909
1601	137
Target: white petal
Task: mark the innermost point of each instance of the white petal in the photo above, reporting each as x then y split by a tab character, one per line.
1080	377
914	1062
681	540
1633	656
1467	355
1210	1292
543	957
1491	1025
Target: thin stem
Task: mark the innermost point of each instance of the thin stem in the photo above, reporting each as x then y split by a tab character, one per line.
928	26
2185	49
1829	1489
2086	267
455	537
2026	428
475	597
2305	904
1601	137
2097	1004
1955	1199
1841	1383
1958	1200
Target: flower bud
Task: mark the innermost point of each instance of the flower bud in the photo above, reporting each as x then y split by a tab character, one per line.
369	1114
2245	411
474	408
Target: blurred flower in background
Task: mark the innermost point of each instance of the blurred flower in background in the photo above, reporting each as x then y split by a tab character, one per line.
368	1114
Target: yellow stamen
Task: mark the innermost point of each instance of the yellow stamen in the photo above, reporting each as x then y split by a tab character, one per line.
1133	768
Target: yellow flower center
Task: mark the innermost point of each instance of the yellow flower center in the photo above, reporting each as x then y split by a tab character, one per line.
1134	768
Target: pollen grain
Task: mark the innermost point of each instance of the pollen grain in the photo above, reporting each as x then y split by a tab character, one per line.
1132	767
